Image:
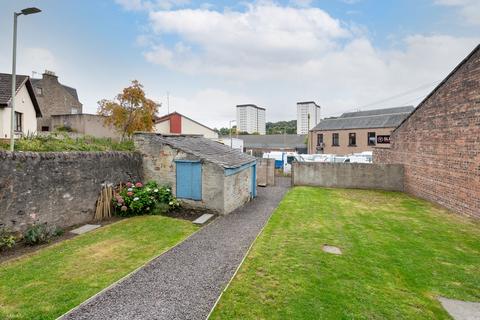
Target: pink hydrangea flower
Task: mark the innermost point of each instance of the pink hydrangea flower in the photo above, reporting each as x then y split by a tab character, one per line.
120	200
129	193
138	185
123	208
129	184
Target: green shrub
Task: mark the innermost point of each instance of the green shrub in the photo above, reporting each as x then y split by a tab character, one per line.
7	240
63	142
39	233
138	199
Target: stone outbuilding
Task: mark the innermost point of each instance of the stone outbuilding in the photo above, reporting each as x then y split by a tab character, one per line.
203	173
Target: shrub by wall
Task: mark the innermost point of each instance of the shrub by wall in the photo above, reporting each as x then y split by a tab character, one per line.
58	187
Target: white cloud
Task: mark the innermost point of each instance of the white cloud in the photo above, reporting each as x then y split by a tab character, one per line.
469	9
275	55
265	35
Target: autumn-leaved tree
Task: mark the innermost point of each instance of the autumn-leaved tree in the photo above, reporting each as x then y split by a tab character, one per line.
130	111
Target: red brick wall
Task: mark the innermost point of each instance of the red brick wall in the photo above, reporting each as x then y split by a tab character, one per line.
439	144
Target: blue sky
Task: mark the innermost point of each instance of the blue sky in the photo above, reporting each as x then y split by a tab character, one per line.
210	56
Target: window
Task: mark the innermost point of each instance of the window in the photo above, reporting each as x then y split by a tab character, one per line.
38	91
45	128
18	121
352	139
335	140
74	110
372	138
319	139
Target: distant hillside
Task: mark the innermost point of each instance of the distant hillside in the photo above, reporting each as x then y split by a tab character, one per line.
281	126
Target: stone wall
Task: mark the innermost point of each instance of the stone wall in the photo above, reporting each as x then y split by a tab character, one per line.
265	172
237	189
439	144
59	188
348	175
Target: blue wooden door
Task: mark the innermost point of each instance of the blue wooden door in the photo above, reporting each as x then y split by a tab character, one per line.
189	179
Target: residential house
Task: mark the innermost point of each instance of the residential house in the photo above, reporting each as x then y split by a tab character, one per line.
203	173
177	123
354	132
257	145
54	98
439	143
27	109
251	119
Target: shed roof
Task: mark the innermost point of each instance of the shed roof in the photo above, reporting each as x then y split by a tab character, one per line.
290	141
380	118
207	149
6	90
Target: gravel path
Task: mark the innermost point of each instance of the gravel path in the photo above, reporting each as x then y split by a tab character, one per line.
185	282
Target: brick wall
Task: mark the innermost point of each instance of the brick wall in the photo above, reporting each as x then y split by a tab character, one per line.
59	187
439	144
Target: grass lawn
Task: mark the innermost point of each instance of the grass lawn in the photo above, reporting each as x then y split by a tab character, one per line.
399	254
53	280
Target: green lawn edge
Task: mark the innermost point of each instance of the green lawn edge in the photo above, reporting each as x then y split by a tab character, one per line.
55	279
399	254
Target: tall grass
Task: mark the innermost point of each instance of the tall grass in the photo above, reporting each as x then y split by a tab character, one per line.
56	142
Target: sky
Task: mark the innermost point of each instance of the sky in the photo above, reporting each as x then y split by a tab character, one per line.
210	56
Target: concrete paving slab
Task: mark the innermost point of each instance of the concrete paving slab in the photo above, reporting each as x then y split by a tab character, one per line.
461	310
86	228
332	249
203	218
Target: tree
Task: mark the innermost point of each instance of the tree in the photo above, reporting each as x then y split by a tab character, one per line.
130	111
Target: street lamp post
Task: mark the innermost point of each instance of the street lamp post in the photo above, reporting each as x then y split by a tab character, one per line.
25	12
231	141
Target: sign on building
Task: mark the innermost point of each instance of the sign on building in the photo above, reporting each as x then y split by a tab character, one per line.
383	139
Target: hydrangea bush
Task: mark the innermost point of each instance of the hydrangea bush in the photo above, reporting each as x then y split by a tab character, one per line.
137	199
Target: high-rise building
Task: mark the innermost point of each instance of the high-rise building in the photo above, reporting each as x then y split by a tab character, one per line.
251	119
308	116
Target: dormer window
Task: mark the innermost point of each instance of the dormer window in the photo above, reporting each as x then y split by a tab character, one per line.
38	91
74	110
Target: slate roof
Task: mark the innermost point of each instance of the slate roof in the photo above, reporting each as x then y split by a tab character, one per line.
380	118
6	90
288	141
70	90
207	149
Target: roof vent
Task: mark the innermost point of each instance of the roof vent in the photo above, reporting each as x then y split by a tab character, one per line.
50	73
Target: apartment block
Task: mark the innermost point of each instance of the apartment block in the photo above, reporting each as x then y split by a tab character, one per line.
308	116
251	119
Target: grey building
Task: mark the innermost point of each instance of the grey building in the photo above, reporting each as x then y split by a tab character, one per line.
54	98
260	144
203	173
